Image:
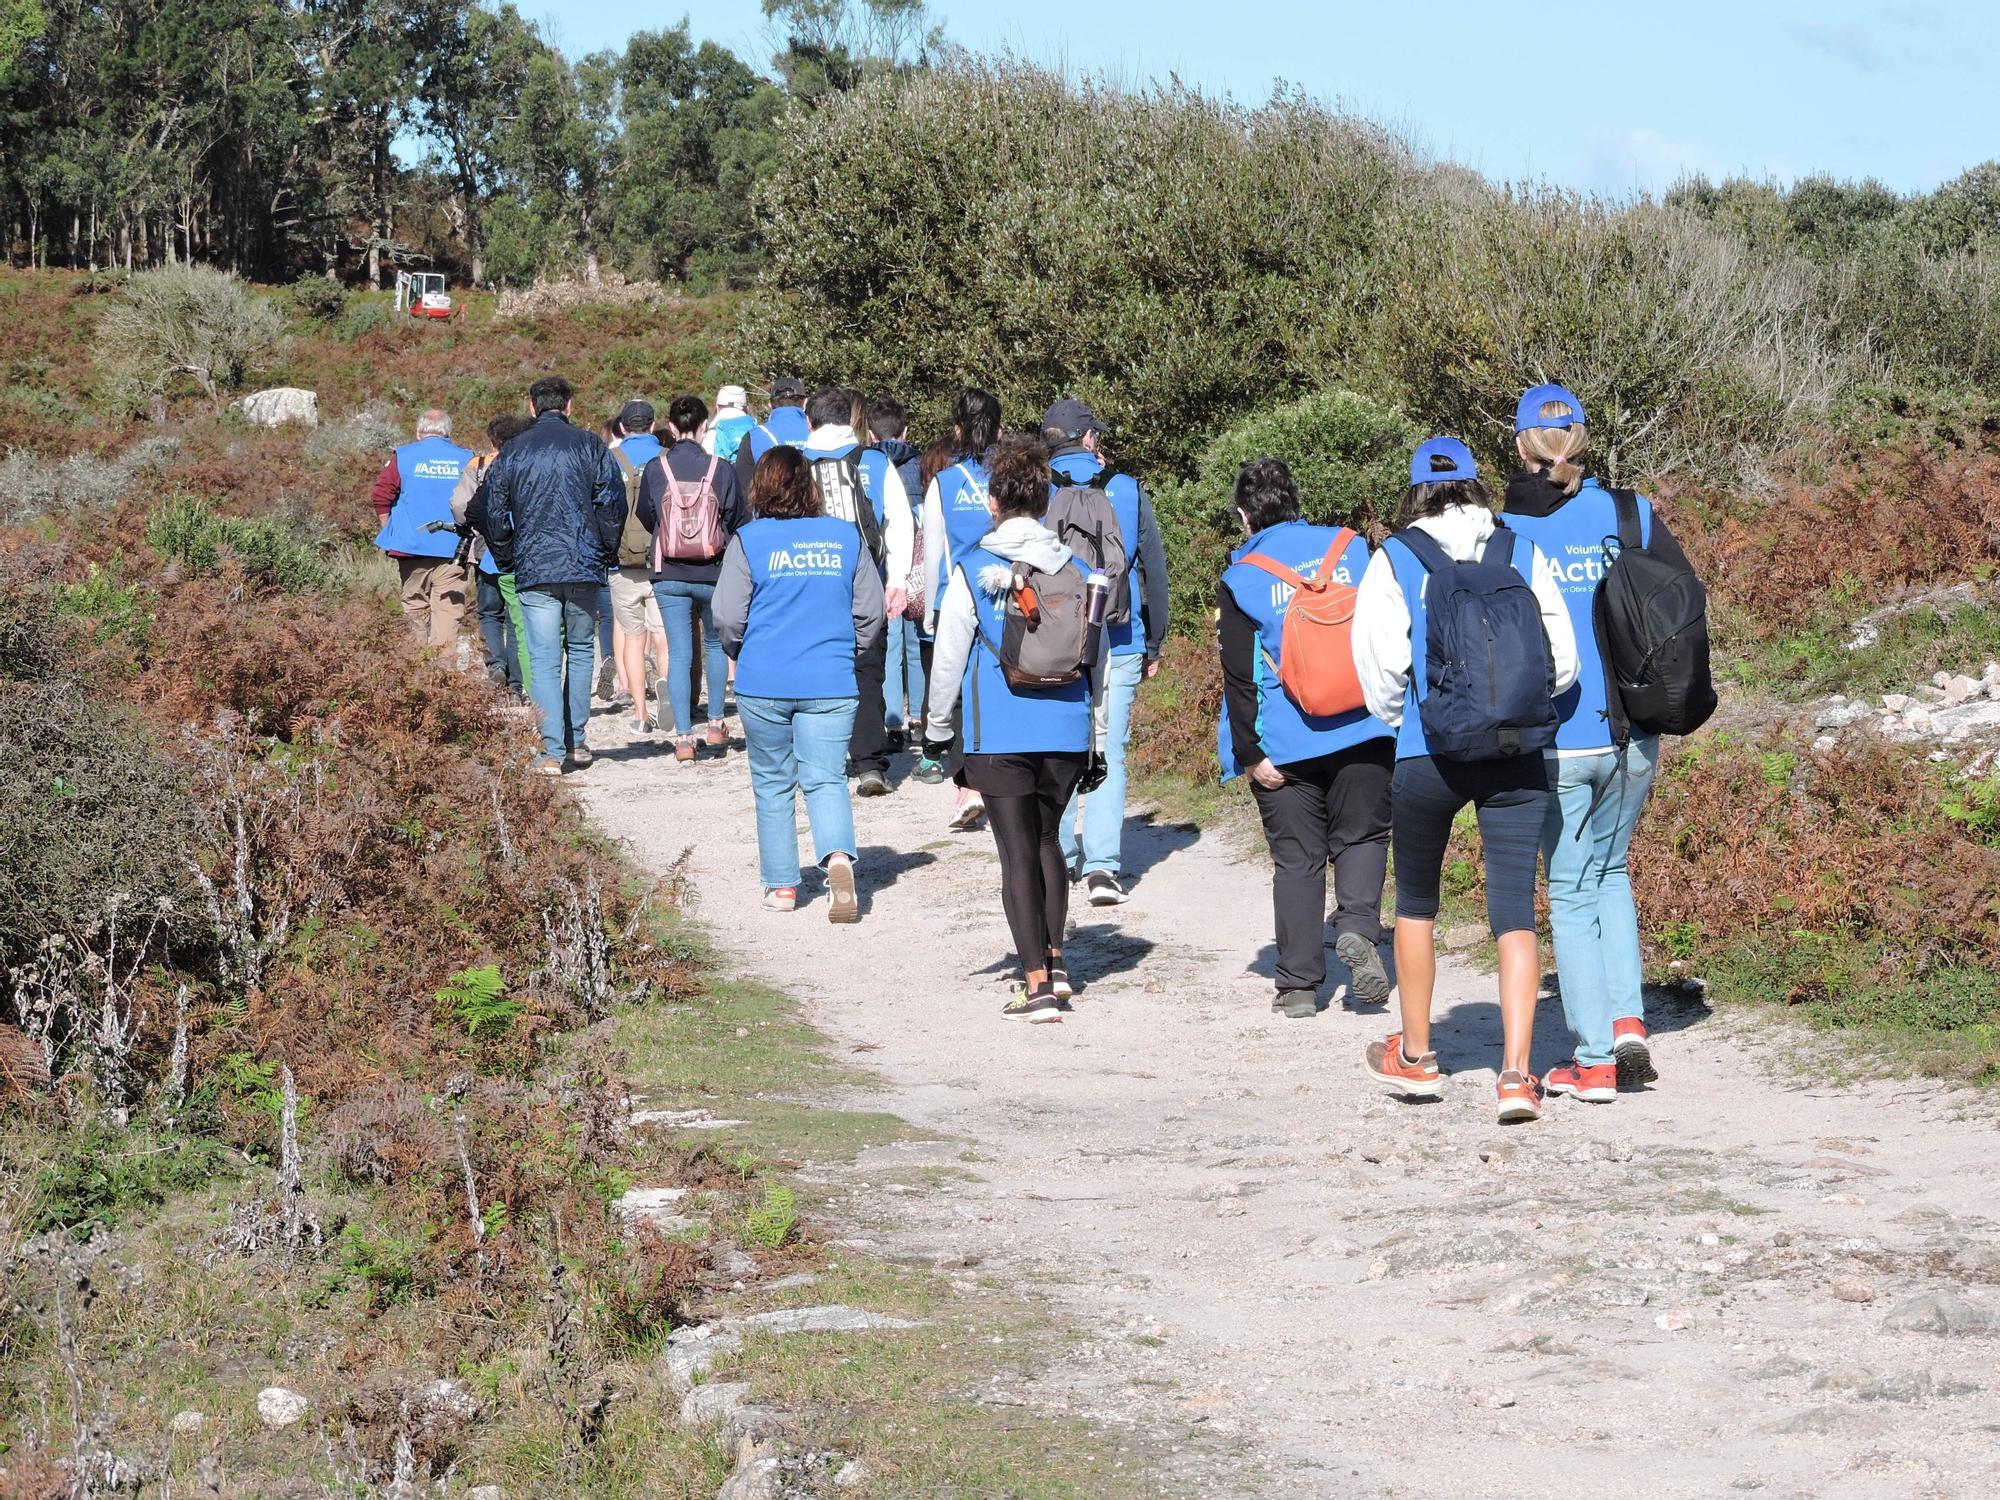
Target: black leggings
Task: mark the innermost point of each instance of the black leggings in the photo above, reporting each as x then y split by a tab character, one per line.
1510	797
1025	797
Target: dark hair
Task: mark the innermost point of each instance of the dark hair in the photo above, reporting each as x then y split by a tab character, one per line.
1266	493
975	421
830	406
936	459
685	414
1424	500
782	486
886	418
550	393
1018	479
504	428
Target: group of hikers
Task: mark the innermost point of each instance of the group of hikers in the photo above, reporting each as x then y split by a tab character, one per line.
991	604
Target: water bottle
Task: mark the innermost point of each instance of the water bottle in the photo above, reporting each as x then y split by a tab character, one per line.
1096	595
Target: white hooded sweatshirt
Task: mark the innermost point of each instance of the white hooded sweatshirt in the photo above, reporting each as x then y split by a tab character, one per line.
1017	539
1382	616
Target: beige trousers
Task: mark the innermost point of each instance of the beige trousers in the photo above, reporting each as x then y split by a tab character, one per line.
433	593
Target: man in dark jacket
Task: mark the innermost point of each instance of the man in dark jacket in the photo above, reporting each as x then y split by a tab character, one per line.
554	504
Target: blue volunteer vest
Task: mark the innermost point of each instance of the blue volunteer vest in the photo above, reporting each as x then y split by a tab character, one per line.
1573	541
998	719
640	449
1287	732
786	425
874	464
967	518
1123	493
429	470
799	640
1413	581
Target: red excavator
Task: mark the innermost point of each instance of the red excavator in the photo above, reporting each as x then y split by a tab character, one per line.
422	294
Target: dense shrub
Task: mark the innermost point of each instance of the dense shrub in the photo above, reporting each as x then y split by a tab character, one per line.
184	320
33	485
318	296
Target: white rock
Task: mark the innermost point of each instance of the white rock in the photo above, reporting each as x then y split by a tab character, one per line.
1895	703
281	404
1962	689
278	1407
1940	679
486	1492
1824	743
851	1474
1675	1320
706	1405
188	1423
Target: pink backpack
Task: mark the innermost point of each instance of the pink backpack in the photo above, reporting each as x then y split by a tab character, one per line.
690	528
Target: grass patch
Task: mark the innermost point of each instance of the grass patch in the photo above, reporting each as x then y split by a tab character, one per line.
1962	636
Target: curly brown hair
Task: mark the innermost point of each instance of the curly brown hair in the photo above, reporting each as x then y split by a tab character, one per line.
783	488
1018	479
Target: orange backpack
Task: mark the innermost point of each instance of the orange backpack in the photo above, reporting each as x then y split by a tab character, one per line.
1316	650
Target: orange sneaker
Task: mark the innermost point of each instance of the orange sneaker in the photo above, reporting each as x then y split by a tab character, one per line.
1632	1045
1520	1097
1597	1084
1413	1078
718	735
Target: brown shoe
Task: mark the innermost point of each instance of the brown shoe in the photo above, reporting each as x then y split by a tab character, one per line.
684	750
718	735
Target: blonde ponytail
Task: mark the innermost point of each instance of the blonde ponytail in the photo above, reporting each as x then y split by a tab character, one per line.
1560	450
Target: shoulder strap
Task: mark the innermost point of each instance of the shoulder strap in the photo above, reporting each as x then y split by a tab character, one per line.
1631	535
618	452
1276	569
1499	547
1423	547
1342	540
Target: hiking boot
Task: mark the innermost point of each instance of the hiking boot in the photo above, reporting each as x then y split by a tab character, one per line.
846	905
871	784
718	735
684	750
1597	1084
607	680
547	765
1104	889
929	772
781	898
580	756
1368	981
1297	1005
1039	1006
1412	1077
1632	1045
1520	1098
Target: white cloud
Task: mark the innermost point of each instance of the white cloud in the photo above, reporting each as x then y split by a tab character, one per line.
1619	163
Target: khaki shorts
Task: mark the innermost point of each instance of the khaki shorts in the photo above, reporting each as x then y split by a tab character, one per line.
635	609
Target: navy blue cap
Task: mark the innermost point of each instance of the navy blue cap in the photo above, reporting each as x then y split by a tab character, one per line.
636	416
1423	471
788	387
1071	416
1529	413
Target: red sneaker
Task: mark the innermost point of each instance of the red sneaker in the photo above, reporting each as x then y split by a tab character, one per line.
1597	1084
1413	1078
1520	1098
1632	1045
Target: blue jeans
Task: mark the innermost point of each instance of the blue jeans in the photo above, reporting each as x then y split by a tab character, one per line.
1595	923
798	745
1104	809
560	623
678	602
606	640
904	678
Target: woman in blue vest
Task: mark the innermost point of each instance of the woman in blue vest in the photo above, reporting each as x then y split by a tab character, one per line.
1596	791
1321	783
799	598
1447	503
956	518
1027	750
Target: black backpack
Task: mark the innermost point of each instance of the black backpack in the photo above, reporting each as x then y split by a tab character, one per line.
847	499
1650	616
1488	669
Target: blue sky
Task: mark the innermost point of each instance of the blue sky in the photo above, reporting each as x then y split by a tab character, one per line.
1897	89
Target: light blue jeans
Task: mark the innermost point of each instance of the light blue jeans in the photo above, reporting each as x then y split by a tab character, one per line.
1590	893
903	678
1104	809
798	745
678	603
559	622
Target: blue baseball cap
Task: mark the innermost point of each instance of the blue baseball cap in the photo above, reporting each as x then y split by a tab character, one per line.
1529	413
1460	465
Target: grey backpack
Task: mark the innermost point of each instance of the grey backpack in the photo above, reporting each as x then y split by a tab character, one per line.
1082	518
1046	638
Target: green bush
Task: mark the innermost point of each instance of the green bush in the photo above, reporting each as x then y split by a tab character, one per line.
103	1174
184	320
279	555
318	296
363	315
1350	456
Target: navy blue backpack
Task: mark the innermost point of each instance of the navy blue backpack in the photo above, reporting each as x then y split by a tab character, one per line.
1489	675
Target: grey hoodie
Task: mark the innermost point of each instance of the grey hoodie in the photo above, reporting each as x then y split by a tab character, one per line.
1017	539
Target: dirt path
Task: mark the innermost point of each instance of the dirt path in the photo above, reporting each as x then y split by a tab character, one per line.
1735	1281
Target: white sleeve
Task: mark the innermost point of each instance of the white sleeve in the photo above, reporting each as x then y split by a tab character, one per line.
899	532
1382	640
934	542
1556	623
957	624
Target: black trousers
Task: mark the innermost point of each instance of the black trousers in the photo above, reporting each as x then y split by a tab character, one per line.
1510	797
496	633
868	746
1025	797
1331	810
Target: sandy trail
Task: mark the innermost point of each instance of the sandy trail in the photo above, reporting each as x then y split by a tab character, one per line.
1739	1280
